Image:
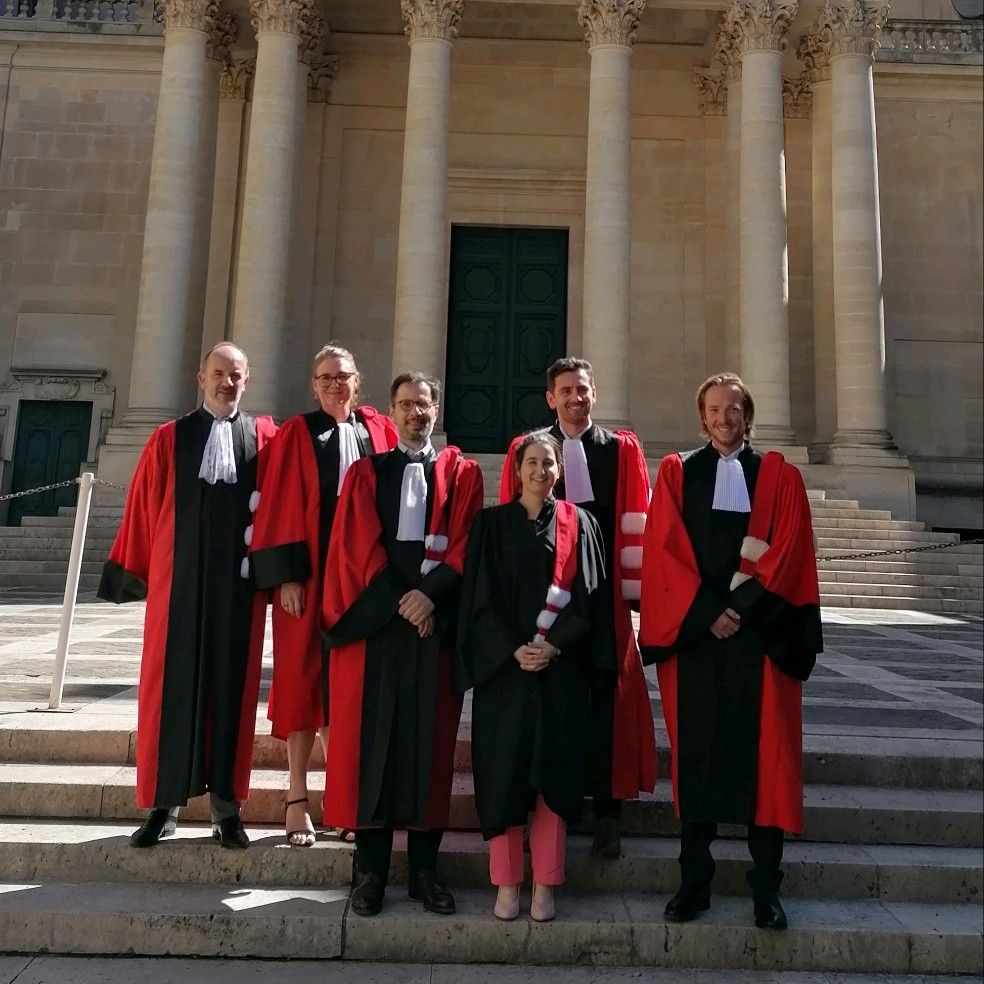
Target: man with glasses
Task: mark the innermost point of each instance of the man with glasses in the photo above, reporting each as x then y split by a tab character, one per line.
389	603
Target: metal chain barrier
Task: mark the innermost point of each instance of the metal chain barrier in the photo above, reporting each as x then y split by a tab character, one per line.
60	485
902	550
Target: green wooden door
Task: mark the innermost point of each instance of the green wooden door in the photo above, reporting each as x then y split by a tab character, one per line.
507	322
52	442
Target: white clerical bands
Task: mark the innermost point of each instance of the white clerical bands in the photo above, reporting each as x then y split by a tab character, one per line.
219	458
577	478
557	600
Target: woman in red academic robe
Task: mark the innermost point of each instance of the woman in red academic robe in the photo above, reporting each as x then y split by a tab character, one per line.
535	633
308	462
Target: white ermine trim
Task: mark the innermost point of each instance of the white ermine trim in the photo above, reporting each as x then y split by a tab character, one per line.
631	558
428	565
254	500
539	638
739	579
434	541
244	569
752	549
545	620
557	596
631	589
248	535
633	524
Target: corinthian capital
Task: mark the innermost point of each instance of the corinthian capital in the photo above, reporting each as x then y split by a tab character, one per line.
714	92
610	21
797	99
236	81
222	36
198	15
760	25
312	36
324	68
813	51
431	18
281	16
853	27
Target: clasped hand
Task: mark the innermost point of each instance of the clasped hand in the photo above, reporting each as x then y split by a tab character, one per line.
535	656
726	624
418	610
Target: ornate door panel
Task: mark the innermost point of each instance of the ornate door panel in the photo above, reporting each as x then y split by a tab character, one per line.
52	442
507	322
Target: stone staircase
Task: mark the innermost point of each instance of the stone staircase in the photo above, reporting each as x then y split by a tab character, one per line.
886	880
34	556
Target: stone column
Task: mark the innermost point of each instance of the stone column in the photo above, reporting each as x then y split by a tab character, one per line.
259	318
609	29
859	325
812	52
171	295
760	28
420	316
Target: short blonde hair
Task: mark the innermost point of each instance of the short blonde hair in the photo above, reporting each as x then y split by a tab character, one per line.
727	379
335	351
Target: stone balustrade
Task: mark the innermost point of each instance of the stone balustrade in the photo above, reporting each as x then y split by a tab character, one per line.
115	16
932	42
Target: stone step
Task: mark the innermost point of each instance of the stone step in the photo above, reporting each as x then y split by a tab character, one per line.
910	603
48	584
883	539
902	578
888	589
60	534
623	929
848	814
105	739
40	565
82	851
824	510
95	512
931	562
822	523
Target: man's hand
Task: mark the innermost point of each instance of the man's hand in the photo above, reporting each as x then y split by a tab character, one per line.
426	629
726	624
292	598
416	607
532	658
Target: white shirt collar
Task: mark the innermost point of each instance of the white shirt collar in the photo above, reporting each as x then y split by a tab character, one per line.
212	413
573	437
421	454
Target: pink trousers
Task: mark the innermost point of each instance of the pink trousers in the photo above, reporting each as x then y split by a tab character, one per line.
548	841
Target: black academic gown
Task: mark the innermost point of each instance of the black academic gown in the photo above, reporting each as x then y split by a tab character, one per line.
530	731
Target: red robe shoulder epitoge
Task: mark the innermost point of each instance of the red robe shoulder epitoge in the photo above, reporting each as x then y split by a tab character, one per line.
287	546
776	592
191	735
633	752
382	677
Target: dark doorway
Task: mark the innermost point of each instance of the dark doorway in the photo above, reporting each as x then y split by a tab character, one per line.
52	442
507	321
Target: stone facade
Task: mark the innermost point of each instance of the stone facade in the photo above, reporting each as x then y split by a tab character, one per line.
78	145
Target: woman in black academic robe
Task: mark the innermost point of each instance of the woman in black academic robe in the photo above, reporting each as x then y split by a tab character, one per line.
534	636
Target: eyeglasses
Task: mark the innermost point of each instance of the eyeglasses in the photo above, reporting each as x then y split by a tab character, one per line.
326	379
406	406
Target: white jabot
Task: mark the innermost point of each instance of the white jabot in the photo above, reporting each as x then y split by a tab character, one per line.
219	458
577	478
348	450
413	503
730	489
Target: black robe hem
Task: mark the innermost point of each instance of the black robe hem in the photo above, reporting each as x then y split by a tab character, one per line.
278	565
118	585
369	613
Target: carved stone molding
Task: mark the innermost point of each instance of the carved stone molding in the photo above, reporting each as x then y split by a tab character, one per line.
714	92
323	70
313	33
610	21
853	27
281	16
431	18
727	53
760	25
797	98
813	51
236	81
223	35
198	15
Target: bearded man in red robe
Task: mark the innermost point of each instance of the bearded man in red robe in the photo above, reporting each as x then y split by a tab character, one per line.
730	613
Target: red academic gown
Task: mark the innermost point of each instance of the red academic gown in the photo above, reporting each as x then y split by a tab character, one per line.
633	741
394	714
203	629
290	543
733	708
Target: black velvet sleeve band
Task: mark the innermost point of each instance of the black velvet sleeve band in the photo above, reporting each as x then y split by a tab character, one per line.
278	565
377	604
119	585
439	582
568	630
703	612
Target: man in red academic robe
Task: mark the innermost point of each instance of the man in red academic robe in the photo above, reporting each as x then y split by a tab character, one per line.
392	580
605	473
182	546
730	612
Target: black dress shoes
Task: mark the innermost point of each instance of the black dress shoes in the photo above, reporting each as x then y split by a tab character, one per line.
424	887
366	897
769	913
159	824
607	843
687	905
229	832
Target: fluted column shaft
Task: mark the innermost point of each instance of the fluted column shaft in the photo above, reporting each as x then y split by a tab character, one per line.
859	324
171	296
420	318
732	221
609	30
260	316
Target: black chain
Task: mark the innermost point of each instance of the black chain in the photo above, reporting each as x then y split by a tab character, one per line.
902	550
43	488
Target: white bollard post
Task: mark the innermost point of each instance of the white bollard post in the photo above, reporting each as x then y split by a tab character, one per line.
71	588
